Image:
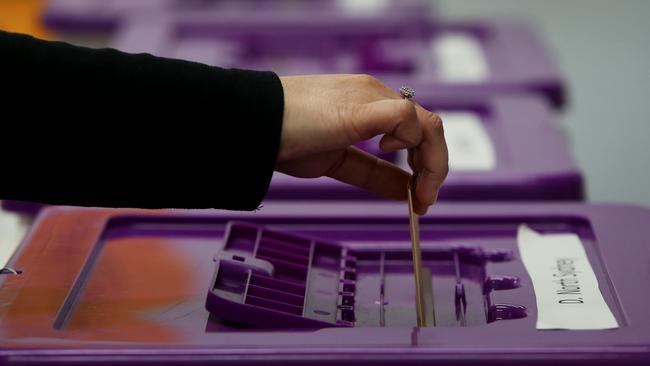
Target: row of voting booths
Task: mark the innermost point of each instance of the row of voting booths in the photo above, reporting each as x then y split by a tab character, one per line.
519	268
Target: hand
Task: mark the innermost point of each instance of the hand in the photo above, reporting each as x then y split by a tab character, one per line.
325	115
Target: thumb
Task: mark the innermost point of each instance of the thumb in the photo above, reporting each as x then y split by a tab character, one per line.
396	118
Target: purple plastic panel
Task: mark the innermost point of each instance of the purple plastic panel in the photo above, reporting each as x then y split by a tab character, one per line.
106	15
273	279
129	286
463	58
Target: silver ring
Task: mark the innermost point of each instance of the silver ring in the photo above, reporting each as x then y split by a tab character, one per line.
406	92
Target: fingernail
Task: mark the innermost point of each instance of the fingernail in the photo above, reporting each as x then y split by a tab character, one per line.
421	211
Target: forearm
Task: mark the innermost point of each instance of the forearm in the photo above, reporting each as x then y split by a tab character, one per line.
114	129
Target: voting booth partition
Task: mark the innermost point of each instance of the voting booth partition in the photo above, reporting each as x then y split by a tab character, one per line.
323	273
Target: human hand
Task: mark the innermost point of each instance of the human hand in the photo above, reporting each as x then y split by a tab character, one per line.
325	115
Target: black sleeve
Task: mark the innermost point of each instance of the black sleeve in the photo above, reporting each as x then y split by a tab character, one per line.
105	128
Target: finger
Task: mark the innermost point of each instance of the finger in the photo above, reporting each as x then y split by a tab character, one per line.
397	118
368	172
431	162
423	115
376	86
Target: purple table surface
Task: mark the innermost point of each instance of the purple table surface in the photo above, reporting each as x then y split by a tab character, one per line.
461	57
106	15
128	287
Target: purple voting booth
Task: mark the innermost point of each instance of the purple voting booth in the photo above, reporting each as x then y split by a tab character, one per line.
106	15
463	58
327	283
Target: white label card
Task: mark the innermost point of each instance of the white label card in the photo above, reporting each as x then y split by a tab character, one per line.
566	288
363	7
12	231
470	146
459	58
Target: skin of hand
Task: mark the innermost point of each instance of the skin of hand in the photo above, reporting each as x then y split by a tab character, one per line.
325	115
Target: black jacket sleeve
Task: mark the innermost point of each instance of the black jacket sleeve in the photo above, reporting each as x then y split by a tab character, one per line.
104	128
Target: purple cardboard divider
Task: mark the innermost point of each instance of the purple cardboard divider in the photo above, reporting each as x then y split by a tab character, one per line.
106	15
129	286
461	58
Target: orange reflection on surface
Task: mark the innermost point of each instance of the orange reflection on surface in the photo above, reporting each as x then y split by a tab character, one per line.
141	289
24	16
137	284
